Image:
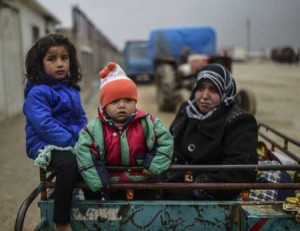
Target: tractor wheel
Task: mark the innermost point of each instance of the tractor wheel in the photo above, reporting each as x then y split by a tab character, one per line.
246	100
165	88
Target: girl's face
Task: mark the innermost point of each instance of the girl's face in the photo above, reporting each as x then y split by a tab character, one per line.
120	109
56	62
207	96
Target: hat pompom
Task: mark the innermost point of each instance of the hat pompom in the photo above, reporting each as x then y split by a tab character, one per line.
107	69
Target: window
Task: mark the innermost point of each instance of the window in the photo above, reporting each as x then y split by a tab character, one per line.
35	33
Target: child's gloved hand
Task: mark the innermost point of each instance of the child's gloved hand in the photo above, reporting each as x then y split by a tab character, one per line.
146	172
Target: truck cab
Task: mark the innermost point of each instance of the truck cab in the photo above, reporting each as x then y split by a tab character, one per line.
138	65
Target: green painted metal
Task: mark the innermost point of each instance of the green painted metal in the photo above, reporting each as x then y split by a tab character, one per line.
267	217
42	224
145	215
172	215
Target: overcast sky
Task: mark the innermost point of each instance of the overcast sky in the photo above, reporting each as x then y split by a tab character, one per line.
271	22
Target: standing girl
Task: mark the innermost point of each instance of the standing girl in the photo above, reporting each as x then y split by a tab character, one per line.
54	116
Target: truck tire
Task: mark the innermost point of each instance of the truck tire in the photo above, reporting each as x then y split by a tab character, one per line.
246	99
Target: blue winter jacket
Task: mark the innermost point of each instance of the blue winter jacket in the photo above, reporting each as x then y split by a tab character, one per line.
54	115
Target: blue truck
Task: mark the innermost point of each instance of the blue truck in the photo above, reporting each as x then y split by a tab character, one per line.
138	65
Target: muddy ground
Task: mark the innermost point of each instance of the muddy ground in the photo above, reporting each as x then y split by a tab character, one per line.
276	88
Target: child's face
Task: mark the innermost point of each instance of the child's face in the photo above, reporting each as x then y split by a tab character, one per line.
56	62
120	109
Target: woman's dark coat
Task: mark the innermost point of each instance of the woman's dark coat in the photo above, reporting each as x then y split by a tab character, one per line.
227	137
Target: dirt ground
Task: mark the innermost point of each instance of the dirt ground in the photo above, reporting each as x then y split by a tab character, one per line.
276	88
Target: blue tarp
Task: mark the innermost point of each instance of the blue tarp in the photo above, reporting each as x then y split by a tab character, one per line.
171	42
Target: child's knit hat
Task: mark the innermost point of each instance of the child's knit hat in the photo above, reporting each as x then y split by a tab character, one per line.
115	85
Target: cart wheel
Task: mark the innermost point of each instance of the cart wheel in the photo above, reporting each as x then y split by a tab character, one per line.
246	100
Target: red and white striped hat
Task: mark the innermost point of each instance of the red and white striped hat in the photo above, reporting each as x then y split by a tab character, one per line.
115	85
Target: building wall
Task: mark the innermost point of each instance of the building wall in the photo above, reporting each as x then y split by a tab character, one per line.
30	20
93	48
17	18
10	62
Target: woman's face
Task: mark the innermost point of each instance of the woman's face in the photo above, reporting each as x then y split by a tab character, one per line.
207	96
56	62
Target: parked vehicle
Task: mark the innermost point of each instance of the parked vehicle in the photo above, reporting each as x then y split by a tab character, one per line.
285	55
138	65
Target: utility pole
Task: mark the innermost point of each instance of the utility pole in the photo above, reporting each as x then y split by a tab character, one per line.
248	31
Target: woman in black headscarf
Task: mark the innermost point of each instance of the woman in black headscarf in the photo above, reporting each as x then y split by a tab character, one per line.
210	129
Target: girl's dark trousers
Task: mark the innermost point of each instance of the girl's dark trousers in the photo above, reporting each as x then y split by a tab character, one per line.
67	174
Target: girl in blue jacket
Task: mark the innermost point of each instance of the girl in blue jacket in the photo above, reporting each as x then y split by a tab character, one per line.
54	116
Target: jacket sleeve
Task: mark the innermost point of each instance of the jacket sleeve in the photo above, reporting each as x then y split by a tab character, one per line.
239	147
82	120
38	112
91	168
159	158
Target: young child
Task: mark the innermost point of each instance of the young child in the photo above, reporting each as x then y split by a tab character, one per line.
54	116
122	135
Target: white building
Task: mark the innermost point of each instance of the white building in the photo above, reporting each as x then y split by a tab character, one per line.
22	22
237	53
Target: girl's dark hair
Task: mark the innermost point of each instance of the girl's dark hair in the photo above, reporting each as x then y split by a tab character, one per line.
34	59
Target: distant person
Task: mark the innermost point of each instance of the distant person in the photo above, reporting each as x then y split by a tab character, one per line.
184	54
210	129
189	70
196	62
122	135
54	116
